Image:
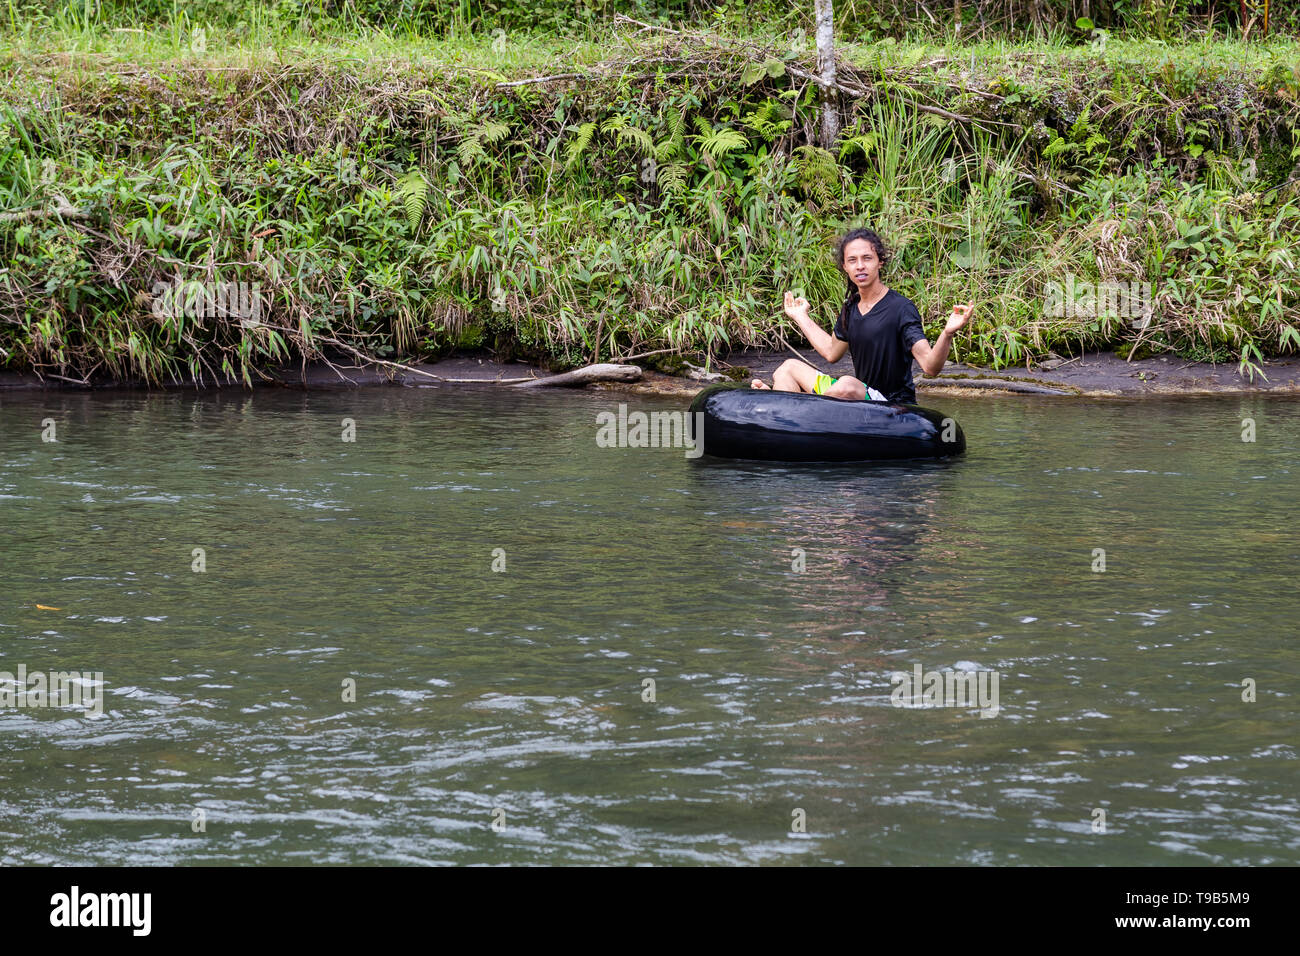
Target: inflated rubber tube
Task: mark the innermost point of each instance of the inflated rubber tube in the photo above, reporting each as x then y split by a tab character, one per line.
744	422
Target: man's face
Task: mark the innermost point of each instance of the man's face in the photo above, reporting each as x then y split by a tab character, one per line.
861	263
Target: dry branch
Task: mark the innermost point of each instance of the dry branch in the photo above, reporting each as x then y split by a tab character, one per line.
601	372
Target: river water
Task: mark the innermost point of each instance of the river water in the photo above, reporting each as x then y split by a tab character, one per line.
436	643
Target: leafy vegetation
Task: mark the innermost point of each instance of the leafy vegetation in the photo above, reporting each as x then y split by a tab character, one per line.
402	195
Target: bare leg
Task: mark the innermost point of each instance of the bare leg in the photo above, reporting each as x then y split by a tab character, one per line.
846	386
794	376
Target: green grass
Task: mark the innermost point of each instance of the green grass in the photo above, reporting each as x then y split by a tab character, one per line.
265	40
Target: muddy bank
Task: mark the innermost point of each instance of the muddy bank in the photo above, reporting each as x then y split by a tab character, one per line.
1090	374
1094	374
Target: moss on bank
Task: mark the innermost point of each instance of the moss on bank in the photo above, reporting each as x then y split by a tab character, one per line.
405	198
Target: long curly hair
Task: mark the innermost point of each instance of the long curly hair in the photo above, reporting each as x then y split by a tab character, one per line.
882	254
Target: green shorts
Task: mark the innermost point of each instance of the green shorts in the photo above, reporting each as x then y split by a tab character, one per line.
824	382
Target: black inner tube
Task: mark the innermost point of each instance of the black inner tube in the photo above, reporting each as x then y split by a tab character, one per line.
742	422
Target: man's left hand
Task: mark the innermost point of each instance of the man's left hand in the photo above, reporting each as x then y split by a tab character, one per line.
960	316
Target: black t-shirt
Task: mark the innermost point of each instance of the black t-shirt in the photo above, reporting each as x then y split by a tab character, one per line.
881	344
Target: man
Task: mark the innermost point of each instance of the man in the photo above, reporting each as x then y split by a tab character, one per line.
879	326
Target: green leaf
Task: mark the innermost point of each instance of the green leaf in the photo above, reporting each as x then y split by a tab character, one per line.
864	143
412	189
639	137
579	143
492	130
722	141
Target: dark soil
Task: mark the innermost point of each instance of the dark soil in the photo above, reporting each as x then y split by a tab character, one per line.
1092	374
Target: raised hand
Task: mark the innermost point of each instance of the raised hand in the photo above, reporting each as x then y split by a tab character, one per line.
795	306
960	316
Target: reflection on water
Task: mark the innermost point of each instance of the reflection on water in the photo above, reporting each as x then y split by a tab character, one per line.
767	604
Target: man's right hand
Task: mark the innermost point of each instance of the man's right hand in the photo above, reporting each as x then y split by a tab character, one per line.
796	307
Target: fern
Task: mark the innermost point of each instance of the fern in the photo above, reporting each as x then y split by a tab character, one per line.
413	189
470	151
470	148
819	174
452	117
580	143
758	117
720	142
668	148
677	126
863	143
629	134
672	178
761	122
1081	124
1056	147
492	131
638	137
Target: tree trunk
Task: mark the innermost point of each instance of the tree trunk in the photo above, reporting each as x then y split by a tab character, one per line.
830	129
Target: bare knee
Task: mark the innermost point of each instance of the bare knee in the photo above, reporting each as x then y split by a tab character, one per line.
792	376
848	387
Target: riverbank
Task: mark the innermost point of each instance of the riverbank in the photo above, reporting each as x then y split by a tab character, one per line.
1090	375
201	207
